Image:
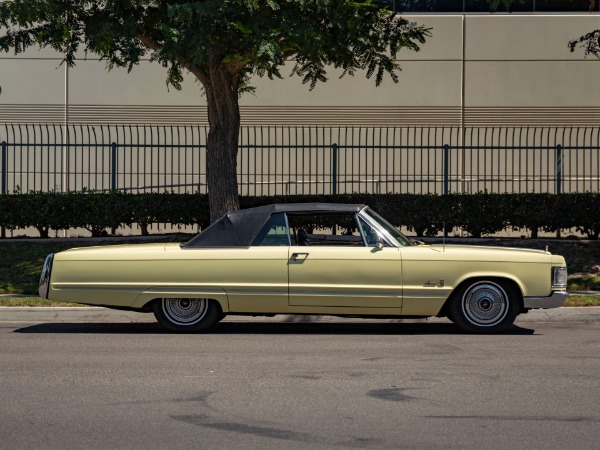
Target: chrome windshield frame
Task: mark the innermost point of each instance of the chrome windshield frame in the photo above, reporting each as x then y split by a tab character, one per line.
408	242
390	240
44	283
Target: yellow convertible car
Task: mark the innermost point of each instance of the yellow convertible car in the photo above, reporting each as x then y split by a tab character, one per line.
309	258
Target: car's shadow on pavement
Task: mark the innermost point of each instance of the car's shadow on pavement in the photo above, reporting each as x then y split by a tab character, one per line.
268	328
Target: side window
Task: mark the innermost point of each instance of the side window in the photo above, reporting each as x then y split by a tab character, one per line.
324	230
370	234
274	233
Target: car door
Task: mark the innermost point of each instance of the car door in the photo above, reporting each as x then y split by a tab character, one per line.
258	275
330	274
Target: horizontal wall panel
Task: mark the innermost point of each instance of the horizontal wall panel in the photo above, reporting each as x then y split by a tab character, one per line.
374	116
539	84
422	83
444	42
91	84
32	81
512	116
136	114
507	70
302	116
19	113
517	37
251	115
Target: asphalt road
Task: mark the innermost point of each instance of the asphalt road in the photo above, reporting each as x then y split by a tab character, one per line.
267	384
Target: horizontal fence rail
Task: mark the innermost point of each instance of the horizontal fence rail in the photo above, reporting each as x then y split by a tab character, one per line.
303	160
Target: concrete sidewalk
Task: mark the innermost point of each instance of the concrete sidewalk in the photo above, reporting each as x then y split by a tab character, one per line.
104	315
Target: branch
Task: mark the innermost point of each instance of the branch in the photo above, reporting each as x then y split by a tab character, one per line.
590	43
152	44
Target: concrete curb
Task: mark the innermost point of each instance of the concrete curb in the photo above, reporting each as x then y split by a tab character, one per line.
104	315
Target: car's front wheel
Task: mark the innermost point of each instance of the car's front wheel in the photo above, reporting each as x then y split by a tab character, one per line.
485	306
191	315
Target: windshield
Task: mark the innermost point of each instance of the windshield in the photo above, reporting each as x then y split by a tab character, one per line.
391	229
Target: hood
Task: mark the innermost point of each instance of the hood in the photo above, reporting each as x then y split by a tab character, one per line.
481	253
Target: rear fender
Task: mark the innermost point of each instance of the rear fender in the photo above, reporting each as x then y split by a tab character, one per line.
150	294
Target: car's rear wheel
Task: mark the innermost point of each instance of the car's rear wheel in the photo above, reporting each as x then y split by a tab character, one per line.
186	314
485	306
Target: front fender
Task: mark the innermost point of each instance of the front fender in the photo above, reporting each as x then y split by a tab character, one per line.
491	274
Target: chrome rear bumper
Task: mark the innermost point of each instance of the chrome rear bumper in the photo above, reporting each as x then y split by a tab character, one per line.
556	300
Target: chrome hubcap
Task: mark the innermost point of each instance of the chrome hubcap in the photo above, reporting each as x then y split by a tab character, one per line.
185	311
485	304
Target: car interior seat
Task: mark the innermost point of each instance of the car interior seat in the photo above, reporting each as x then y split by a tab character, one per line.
303	237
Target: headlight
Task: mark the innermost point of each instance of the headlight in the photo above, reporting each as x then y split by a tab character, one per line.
559	277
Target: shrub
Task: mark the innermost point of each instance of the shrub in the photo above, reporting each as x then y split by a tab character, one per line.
478	214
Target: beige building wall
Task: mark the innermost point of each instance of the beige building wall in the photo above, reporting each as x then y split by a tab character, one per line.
475	70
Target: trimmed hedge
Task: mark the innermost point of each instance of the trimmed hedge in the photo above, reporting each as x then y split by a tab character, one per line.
427	215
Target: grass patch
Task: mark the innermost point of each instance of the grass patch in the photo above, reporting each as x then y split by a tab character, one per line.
32	301
583	300
585	283
22	263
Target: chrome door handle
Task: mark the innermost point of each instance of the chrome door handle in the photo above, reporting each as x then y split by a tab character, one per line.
296	255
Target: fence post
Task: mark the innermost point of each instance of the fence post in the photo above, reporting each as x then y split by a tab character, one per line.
4	167
446	169
334	169
559	168
113	166
4	187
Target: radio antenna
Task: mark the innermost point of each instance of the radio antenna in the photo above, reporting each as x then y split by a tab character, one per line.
444	237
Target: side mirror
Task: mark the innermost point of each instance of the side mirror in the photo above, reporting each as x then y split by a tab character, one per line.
379	244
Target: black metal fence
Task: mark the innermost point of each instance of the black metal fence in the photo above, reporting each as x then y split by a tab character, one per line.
303	160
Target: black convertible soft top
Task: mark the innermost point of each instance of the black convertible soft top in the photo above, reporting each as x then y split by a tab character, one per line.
239	228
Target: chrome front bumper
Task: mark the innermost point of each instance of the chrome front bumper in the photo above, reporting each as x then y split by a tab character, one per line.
556	300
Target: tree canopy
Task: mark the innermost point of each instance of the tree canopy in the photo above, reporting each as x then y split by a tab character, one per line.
223	43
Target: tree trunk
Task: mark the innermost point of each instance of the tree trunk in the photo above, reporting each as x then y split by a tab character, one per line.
222	144
221	86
